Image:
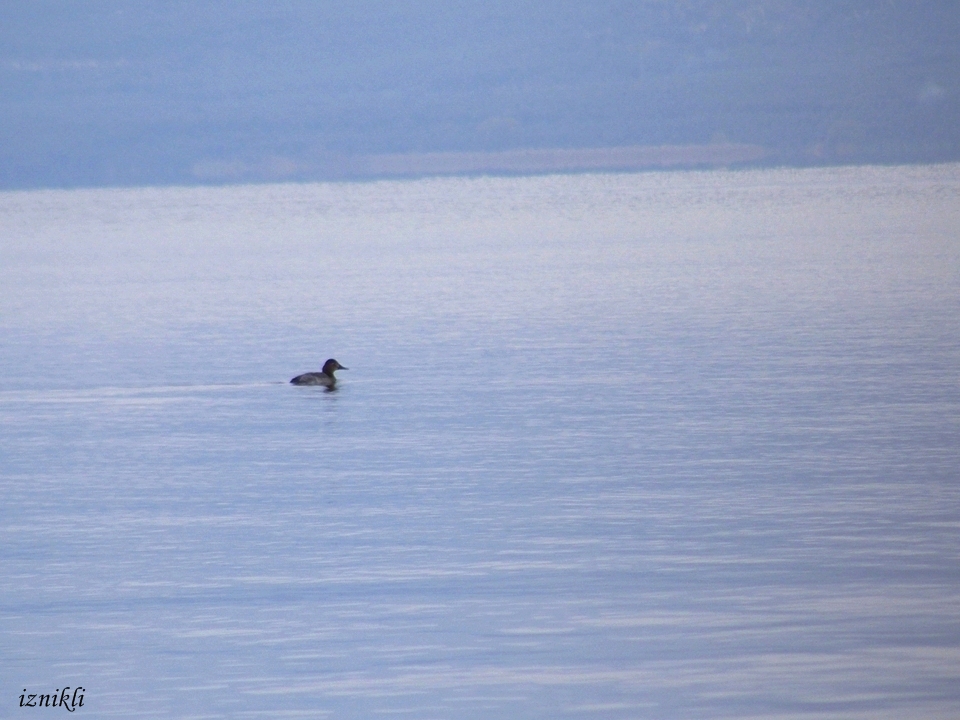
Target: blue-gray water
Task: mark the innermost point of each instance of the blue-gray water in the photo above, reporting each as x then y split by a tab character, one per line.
618	446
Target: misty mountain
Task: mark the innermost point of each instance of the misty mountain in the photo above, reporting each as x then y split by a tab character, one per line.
123	92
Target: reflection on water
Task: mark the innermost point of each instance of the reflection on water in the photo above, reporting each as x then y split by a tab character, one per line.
662	445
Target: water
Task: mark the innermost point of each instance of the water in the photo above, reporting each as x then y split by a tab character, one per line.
610	446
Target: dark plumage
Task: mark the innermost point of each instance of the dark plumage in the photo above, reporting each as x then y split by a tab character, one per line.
324	377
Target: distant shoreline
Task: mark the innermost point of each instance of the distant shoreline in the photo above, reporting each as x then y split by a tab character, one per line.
520	161
634	157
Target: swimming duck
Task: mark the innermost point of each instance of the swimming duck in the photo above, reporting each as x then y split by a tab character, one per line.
324	377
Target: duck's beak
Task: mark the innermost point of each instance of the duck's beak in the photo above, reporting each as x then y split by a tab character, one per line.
343	368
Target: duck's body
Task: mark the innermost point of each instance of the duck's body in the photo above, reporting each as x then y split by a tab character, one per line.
324	377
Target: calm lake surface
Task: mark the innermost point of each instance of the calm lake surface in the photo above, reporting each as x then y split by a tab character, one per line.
610	446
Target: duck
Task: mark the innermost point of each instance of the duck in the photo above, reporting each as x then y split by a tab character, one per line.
324	377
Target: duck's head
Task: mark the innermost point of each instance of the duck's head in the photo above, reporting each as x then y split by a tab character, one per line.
331	365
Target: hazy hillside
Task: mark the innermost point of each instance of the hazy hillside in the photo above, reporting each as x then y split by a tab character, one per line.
124	92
